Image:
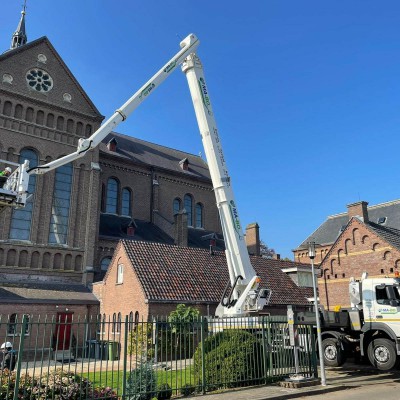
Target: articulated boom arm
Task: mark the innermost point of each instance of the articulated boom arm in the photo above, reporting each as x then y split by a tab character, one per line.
245	295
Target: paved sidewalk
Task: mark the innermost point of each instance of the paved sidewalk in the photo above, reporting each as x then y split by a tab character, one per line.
337	379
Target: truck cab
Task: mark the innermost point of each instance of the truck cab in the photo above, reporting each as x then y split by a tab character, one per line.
381	303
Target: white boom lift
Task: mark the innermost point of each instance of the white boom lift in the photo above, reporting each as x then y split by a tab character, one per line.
244	294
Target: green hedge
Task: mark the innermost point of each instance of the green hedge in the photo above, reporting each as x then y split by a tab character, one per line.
232	358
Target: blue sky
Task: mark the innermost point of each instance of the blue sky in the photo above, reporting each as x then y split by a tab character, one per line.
305	93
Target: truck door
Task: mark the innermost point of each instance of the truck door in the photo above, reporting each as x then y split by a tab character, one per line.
388	306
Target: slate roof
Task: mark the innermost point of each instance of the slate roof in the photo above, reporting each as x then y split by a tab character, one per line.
45	293
115	227
155	155
390	235
192	275
329	230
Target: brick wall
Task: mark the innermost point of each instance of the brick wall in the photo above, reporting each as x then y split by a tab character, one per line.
358	250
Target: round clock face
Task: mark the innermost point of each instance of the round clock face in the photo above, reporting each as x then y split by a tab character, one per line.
39	80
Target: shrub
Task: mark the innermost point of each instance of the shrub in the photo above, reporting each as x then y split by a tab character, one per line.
60	384
103	393
141	383
232	358
187	389
141	341
164	392
7	385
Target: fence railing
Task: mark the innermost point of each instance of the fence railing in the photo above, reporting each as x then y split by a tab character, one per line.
103	358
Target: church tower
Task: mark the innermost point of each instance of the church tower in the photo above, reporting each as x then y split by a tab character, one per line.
19	37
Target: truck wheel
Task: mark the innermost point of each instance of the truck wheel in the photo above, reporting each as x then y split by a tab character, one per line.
382	354
334	356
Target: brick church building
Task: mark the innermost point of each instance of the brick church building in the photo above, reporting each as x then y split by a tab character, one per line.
65	237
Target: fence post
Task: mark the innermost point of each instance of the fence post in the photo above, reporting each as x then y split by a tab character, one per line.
314	354
270	347
20	351
125	357
203	367
265	350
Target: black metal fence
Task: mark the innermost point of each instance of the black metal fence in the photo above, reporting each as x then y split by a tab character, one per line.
102	358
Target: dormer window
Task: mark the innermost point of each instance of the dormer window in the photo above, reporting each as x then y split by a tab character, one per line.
112	145
184	164
382	220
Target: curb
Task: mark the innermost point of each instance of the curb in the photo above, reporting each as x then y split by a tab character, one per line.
306	393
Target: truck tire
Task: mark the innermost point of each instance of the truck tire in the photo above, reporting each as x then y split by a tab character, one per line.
382	354
334	356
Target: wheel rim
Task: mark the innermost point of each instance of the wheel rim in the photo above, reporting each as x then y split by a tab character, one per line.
381	354
330	352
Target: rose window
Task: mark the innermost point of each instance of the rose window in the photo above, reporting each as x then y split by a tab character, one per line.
39	80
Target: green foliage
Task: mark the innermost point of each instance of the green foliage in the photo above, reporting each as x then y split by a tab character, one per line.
187	390
183	323
183	317
140	341
232	358
164	392
57	385
141	383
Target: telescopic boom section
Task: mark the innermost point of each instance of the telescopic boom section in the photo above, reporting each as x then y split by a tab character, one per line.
246	295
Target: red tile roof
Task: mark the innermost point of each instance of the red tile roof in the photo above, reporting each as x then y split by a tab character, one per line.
172	273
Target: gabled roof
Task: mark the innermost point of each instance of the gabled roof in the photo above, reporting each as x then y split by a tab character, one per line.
151	154
390	235
192	275
328	231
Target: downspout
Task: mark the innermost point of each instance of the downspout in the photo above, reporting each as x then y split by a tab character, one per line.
151	195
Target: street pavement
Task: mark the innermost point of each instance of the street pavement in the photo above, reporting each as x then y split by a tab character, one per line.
350	382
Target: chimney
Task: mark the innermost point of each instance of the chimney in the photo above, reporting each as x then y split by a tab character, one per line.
358	209
112	145
181	228
253	239
276	256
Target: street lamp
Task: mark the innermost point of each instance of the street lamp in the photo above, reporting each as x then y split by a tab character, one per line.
311	254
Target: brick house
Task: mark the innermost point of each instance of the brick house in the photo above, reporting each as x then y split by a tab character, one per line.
365	239
149	279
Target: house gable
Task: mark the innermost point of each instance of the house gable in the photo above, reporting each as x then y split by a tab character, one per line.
56	86
359	248
127	296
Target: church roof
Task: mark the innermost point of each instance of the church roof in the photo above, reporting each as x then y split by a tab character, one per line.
151	154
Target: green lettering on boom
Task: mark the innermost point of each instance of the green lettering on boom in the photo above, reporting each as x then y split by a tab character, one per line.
147	90
204	94
235	216
170	67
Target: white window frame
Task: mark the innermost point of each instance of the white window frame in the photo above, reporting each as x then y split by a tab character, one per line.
120	274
